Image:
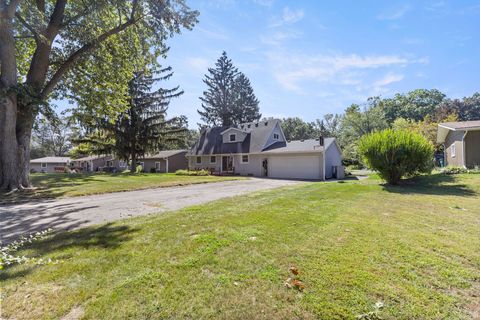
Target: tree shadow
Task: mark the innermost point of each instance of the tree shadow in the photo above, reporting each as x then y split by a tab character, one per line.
49	185
107	236
435	184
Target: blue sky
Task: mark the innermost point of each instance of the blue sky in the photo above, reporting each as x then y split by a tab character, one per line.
309	58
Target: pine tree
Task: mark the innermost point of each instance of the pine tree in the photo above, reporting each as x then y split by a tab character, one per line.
229	99
246	104
144	128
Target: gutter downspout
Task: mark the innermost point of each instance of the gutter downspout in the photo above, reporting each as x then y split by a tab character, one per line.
464	153
166	169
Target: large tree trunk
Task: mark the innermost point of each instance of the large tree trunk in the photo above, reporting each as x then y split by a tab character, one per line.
9	173
9	164
26	118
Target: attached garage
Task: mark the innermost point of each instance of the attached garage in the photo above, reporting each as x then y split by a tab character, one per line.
296	166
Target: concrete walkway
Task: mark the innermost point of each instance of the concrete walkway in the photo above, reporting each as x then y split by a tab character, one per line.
70	213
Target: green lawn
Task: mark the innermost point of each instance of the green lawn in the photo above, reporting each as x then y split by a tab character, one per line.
70	185
415	248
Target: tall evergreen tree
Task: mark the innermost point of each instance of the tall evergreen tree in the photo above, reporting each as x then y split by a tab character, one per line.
229	98
144	128
246	103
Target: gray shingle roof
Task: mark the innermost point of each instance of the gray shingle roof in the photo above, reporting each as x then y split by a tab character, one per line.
211	141
94	157
462	125
51	160
310	145
164	154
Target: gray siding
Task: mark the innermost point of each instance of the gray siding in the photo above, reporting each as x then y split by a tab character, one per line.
37	167
175	162
454	138
472	149
240	136
333	157
271	140
252	168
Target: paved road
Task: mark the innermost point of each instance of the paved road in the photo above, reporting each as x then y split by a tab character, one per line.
70	213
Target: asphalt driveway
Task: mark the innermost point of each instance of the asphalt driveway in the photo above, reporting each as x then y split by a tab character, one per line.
70	213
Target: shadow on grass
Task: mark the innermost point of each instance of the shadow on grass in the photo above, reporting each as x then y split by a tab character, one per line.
49	185
107	236
435	184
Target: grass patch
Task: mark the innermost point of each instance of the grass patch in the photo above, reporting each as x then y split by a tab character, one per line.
70	185
356	244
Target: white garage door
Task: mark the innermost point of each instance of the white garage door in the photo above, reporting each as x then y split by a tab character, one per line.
295	167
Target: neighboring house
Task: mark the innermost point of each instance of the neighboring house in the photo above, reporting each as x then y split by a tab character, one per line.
461	142
260	149
99	163
165	161
49	164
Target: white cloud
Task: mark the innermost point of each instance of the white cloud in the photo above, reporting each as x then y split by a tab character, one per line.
266	3
198	63
280	37
394	14
389	78
216	35
289	16
292	71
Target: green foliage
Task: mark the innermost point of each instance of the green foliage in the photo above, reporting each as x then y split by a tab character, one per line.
192	173
396	154
459	170
229	98
8	255
414	105
138	169
297	129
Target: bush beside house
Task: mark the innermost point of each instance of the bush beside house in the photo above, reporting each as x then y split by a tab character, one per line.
395	154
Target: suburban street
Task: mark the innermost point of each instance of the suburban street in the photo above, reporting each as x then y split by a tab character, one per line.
77	212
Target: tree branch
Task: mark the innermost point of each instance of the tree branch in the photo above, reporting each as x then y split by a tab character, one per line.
28	26
75	56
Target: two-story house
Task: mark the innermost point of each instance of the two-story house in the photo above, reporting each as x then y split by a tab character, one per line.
260	149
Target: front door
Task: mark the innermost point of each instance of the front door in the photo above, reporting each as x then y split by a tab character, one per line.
227	164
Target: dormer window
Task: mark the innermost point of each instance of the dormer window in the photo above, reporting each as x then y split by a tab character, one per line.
233	137
256	124
276	136
249	126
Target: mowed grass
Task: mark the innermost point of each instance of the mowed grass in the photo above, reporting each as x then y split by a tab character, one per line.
71	185
415	248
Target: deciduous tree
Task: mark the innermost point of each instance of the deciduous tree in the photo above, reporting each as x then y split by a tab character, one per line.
76	49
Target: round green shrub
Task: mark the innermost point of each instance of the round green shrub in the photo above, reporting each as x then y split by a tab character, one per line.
396	153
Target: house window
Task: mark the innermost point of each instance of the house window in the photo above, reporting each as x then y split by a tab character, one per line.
213	159
157	166
121	164
452	148
109	163
245	158
44	165
199	160
276	136
233	137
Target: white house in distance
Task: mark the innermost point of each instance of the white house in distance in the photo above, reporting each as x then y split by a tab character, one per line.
49	164
260	149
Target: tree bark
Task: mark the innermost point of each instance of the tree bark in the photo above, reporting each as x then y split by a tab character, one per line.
25	121
9	173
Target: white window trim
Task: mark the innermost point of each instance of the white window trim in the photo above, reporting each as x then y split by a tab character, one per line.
196	160
245	162
453	150
213	161
43	165
230	136
158	166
